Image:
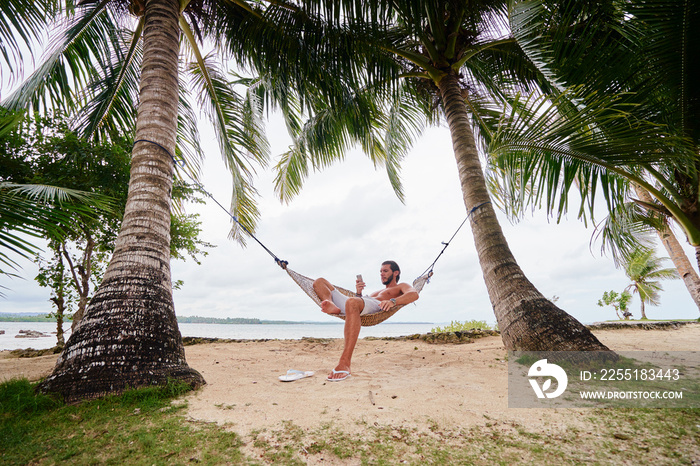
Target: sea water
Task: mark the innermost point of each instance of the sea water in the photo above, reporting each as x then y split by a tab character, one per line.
297	331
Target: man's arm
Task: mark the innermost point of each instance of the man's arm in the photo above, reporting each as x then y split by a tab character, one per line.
408	295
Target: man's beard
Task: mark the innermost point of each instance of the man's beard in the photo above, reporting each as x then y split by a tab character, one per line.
387	281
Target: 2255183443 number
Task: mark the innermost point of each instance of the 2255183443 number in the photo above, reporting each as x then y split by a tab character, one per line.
638	374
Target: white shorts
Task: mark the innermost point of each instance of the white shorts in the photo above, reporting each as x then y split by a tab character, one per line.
371	304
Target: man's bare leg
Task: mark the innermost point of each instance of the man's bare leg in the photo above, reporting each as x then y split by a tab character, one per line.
323	289
351	332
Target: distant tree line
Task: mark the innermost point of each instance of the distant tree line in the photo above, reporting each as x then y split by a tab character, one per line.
215	320
180	319
20	318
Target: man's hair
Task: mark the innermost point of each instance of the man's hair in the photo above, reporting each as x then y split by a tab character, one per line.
394	268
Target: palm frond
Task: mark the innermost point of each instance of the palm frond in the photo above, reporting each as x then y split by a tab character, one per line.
643	48
39	211
87	40
238	128
330	132
546	146
407	117
313	49
626	229
670	70
112	98
21	24
9	120
189	153
569	39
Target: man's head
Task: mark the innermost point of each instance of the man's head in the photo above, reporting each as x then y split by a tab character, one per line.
390	270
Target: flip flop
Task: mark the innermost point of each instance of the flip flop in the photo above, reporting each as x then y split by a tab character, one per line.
293	374
347	375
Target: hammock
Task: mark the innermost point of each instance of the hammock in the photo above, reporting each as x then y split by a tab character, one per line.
306	284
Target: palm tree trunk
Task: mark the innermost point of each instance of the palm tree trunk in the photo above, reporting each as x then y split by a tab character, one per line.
129	336
675	252
527	320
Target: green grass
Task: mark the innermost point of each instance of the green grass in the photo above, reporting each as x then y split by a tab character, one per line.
137	427
148	427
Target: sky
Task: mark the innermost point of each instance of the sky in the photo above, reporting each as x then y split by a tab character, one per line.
347	221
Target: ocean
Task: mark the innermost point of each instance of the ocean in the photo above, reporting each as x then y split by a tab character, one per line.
8	340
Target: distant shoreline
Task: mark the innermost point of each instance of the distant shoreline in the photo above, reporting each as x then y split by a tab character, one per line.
195	320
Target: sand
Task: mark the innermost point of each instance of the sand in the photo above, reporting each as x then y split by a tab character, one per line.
394	383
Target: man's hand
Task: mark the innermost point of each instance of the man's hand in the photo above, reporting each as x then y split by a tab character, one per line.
359	286
386	305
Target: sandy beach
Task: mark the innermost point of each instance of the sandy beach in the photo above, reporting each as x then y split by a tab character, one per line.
412	383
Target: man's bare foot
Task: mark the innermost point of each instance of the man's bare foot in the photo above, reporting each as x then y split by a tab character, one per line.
329	308
339	373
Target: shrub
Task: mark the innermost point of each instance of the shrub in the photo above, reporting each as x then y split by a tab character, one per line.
456	326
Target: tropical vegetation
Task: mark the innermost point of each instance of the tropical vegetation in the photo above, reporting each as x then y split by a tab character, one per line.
456	62
113	54
623	126
44	151
396	66
618	301
24	214
456	326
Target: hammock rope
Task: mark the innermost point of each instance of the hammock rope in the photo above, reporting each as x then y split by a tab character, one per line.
281	263
430	268
306	283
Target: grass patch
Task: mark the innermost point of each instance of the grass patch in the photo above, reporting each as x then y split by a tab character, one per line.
138	427
609	436
146	427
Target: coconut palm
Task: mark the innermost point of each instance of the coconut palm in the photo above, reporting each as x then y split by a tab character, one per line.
645	270
641	141
456	56
129	334
631	226
673	247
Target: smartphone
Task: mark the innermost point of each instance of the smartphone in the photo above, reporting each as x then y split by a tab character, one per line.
359	278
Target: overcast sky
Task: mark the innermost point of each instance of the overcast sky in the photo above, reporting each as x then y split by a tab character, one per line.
347	220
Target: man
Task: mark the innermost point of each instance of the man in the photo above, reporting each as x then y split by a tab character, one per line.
334	302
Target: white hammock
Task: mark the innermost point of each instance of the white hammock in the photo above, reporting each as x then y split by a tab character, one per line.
306	284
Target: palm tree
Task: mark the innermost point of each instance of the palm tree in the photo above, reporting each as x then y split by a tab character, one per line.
455	54
639	141
674	249
129	334
630	227
645	271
